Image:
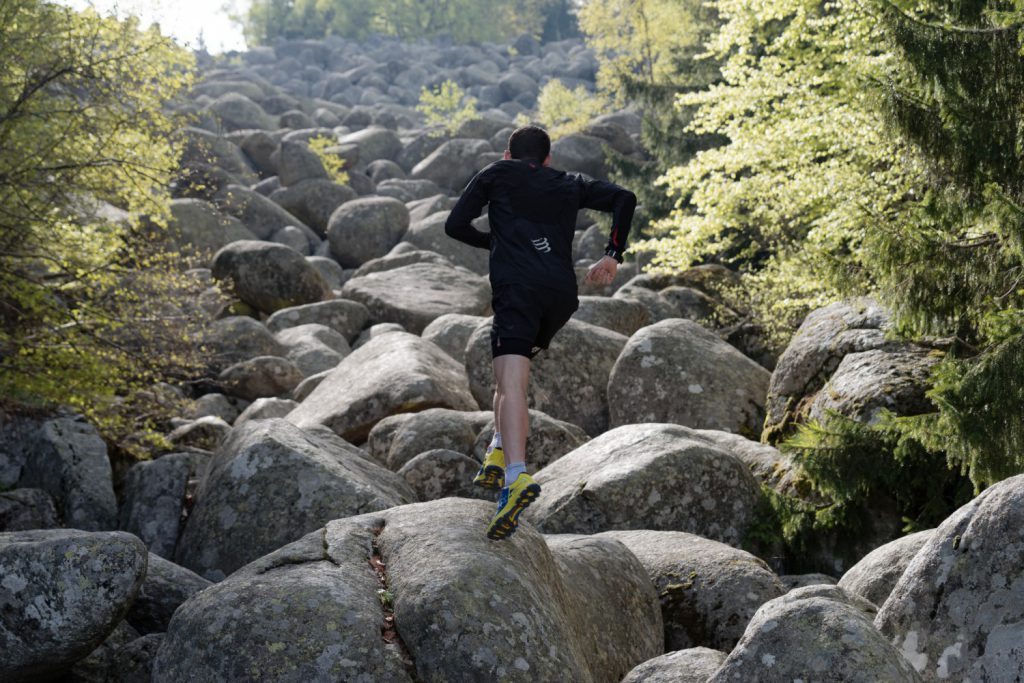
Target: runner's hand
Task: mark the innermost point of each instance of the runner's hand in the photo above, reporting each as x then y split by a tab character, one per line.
602	272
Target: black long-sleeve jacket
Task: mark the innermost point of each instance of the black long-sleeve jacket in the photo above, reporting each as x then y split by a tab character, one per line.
532	213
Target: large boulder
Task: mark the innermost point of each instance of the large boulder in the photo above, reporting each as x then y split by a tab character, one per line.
366	228
414	295
197	226
802	636
260	377
429	234
202	149
235	111
568	381
677	371
450	597
271	483
313	201
65	457
24	509
393	373
451	331
620	315
868	382
693	665
823	340
237	338
313	347
439	473
402	254
581	153
709	591
62	592
400	438
296	162
374	142
259	214
648	476
154	493
874	577
346	317
451	164
165	587
957	612
269	276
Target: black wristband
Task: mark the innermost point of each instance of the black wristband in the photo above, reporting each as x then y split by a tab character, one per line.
614	254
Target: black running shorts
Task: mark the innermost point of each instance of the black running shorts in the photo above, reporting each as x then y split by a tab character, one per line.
527	318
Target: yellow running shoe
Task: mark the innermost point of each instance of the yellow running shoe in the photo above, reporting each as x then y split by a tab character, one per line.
514	499
491	474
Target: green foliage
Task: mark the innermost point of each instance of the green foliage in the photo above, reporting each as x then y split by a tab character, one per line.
950	263
649	53
857	469
333	164
447	107
789	198
464	20
91	314
563	111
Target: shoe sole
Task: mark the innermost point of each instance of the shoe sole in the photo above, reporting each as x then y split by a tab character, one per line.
490	477
505	525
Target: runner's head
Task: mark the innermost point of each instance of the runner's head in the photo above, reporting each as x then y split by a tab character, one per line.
529	143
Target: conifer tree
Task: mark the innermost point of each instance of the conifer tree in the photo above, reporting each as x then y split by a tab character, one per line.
952	263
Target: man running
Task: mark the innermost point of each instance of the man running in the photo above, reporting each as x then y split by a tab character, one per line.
532	213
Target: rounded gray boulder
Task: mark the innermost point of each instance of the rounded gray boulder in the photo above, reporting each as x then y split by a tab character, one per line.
269	276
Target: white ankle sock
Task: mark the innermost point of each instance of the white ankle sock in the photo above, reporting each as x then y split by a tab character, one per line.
496	441
513	471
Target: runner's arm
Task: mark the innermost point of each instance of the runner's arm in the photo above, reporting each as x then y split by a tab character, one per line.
601	195
470	205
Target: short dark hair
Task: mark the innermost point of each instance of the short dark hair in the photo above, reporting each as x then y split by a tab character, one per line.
529	142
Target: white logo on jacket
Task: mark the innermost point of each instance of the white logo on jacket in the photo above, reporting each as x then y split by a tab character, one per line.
541	244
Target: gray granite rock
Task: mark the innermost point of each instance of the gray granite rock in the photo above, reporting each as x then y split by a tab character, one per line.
620	315
957	612
693	665
547	441
204	433
153	497
269	276
813	638
366	228
238	338
708	590
439	473
677	371
415	295
429	234
62	592
65	457
26	508
647	476
346	317
165	587
313	347
266	409
394	373
451	332
260	377
451	164
270	484
875	575
568	381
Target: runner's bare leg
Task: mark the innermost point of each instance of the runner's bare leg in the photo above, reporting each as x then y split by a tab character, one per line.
512	375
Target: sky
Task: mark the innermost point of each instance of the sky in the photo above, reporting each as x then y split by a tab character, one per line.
181	19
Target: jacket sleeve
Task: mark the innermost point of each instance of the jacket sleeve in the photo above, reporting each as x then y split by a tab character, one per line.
470	205
601	195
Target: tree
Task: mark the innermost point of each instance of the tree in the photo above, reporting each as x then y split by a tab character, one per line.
91	314
952	262
465	21
788	200
649	53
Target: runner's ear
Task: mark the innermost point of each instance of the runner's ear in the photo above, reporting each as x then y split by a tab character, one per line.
547	161
508	155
